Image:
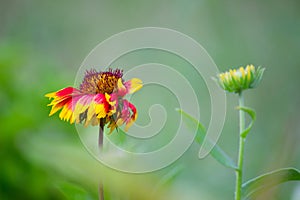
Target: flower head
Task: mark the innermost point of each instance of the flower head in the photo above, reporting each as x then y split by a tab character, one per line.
237	80
100	96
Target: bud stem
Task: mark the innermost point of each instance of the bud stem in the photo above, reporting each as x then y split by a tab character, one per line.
239	171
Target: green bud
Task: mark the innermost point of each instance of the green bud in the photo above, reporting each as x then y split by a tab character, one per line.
237	80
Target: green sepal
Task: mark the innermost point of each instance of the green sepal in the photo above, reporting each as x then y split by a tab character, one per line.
235	84
252	114
266	181
258	76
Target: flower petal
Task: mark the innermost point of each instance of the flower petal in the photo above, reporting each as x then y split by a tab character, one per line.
101	105
64	99
63	92
133	116
112	125
133	85
121	89
82	105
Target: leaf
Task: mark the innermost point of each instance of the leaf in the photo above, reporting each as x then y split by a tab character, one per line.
266	181
220	155
216	152
252	114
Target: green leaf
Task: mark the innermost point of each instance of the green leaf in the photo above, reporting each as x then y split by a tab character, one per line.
216	152
266	181
220	155
252	114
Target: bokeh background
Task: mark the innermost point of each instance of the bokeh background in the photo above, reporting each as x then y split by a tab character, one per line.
43	43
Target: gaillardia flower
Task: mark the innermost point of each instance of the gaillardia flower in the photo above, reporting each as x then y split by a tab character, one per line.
237	80
99	99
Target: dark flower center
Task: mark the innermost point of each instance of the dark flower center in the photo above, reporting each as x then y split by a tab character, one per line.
100	82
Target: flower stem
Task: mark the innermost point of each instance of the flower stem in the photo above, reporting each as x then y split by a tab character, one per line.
100	145
239	171
100	137
101	192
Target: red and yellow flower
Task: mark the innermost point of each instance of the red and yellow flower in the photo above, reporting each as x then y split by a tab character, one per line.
99	97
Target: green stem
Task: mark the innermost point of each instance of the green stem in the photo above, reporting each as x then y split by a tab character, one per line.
239	171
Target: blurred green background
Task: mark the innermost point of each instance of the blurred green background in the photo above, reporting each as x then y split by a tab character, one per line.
42	44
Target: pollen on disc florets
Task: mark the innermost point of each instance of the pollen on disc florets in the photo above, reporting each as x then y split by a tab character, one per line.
100	82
